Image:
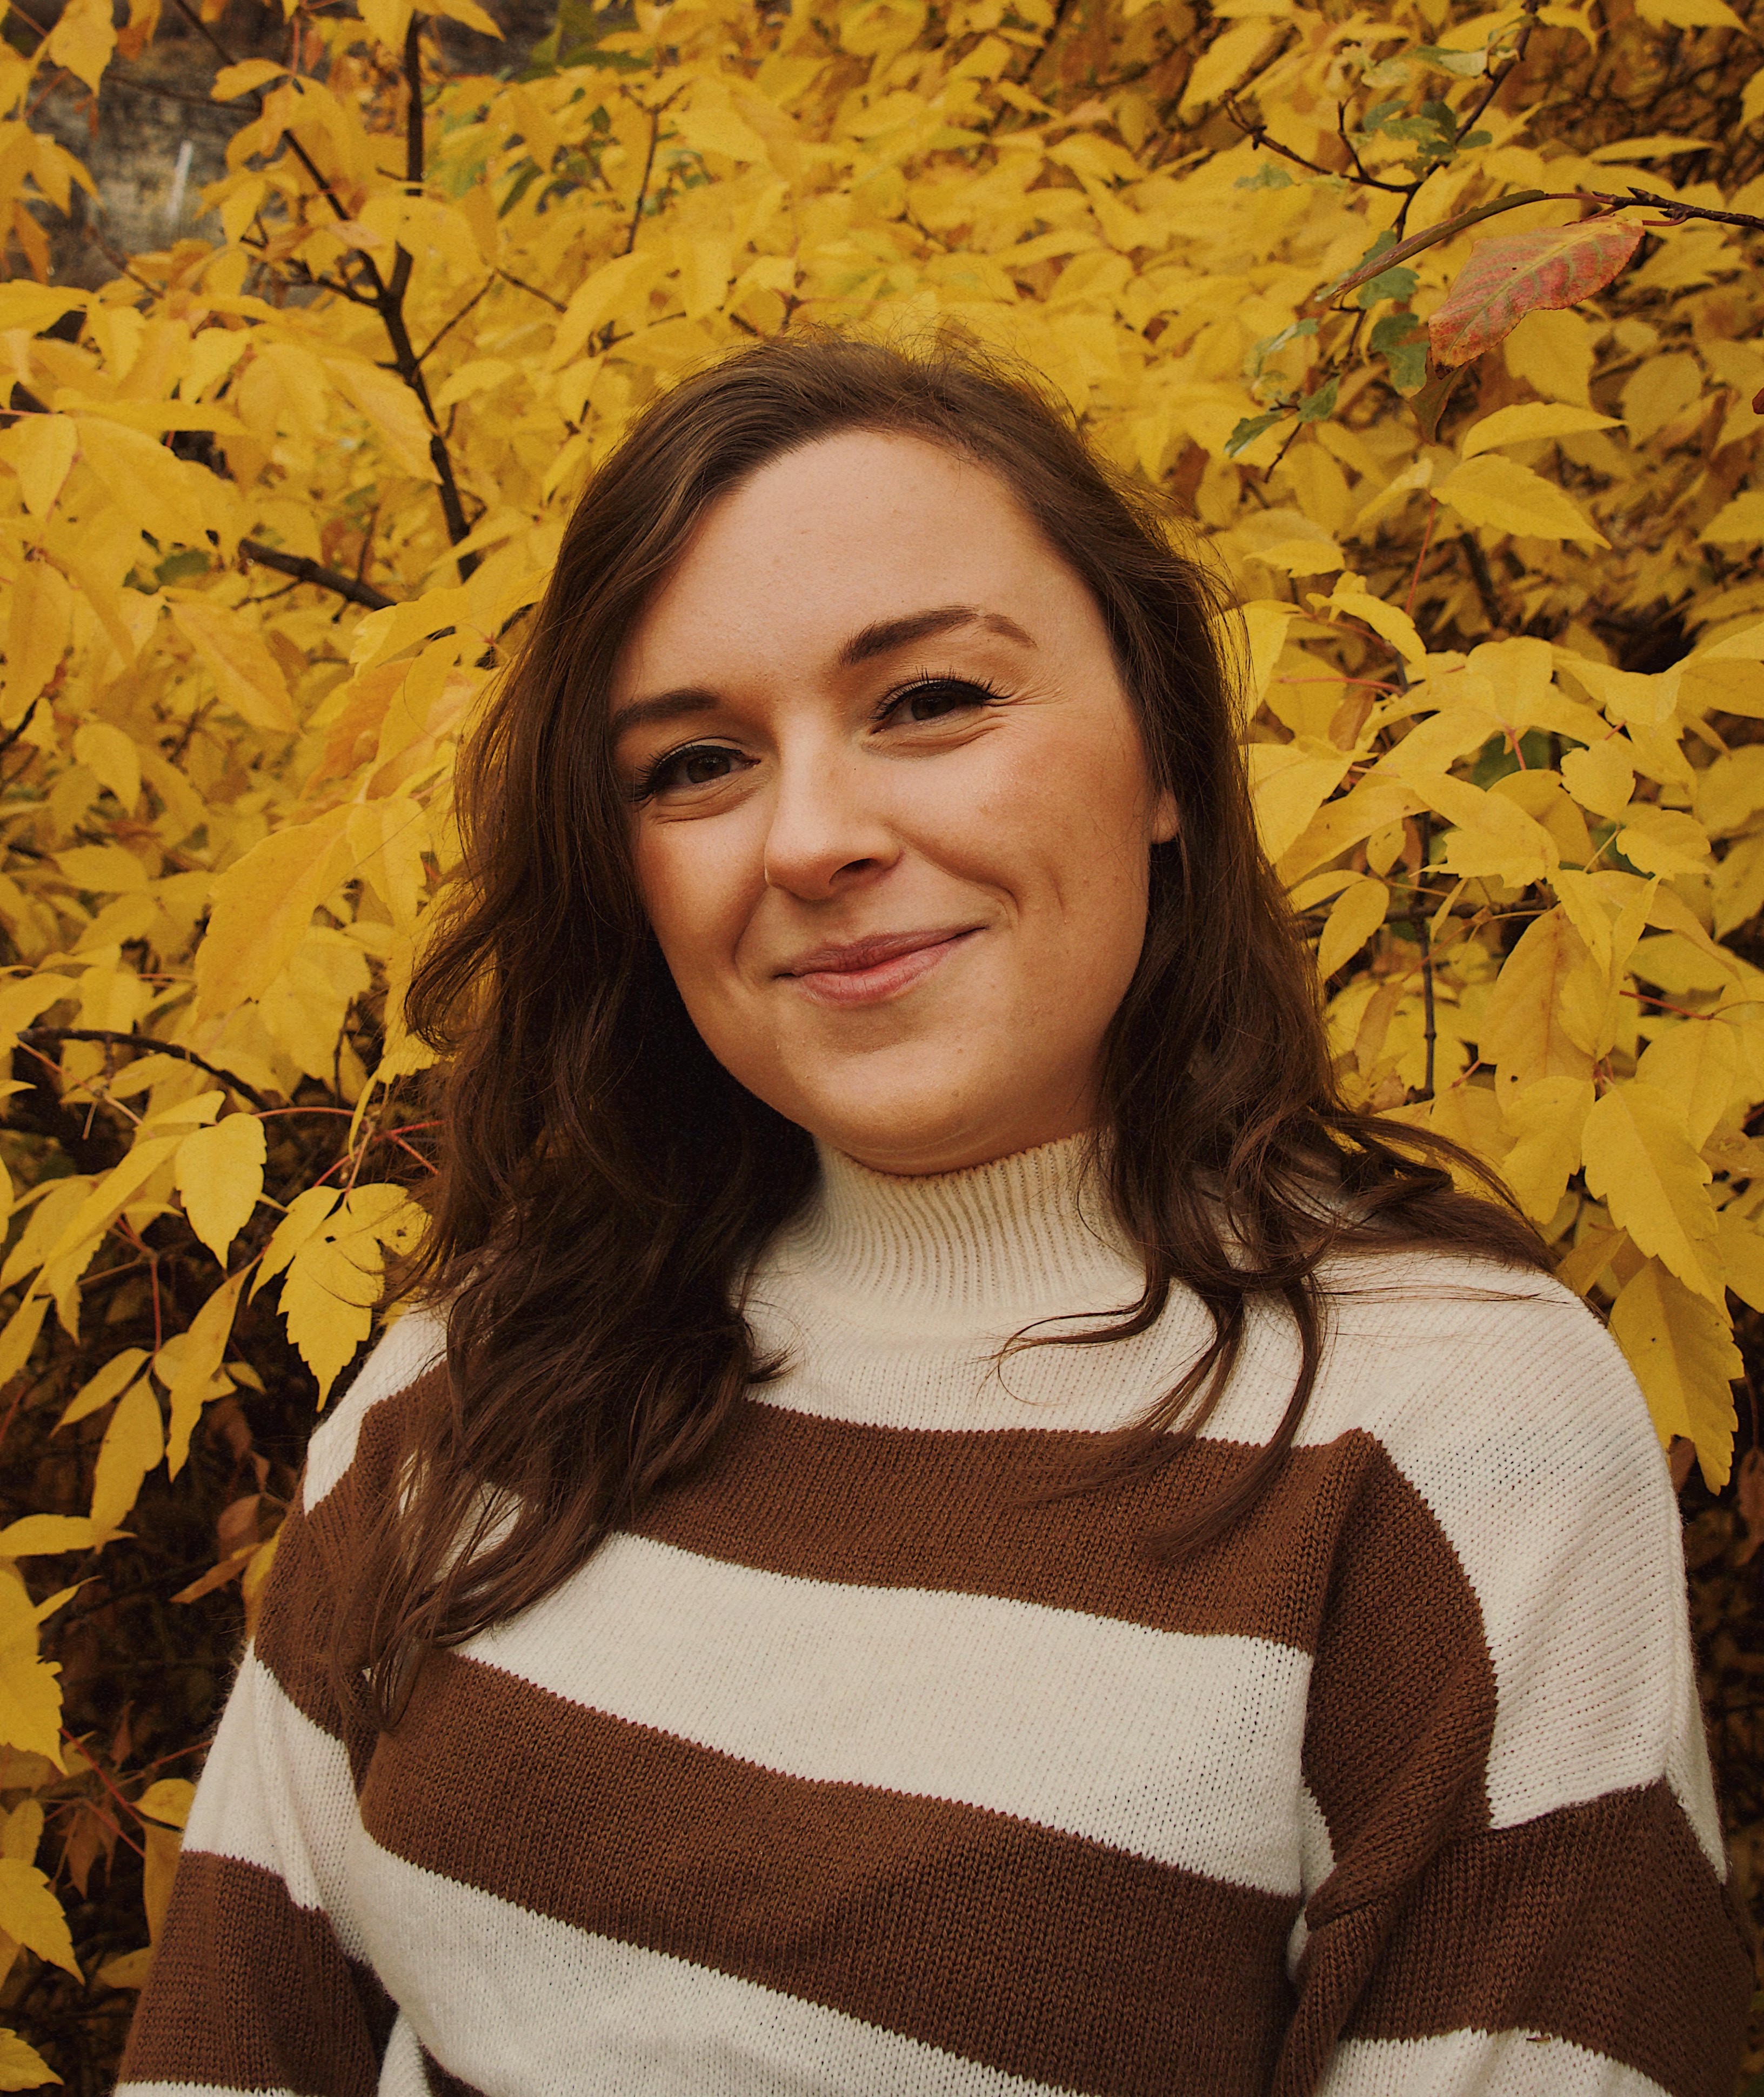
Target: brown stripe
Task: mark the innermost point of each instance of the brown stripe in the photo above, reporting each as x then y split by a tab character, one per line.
251	1992
1403	1695
825	1499
1038	1953
317	1565
443	2082
1602	1924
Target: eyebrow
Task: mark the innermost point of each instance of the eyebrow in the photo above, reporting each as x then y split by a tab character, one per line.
891	633
880	639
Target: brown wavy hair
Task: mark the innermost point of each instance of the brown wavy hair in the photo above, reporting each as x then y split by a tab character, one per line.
604	1183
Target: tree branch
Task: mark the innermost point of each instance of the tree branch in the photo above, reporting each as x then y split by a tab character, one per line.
321	577
47	1037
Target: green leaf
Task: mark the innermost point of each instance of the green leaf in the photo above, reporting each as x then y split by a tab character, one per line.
1465	64
1317	407
1270	175
1250	428
1398	283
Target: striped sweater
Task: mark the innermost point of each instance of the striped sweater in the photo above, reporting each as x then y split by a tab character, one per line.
856	1766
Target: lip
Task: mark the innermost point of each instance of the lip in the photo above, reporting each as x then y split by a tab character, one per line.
867	971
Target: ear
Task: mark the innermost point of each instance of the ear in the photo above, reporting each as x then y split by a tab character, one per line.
1167	818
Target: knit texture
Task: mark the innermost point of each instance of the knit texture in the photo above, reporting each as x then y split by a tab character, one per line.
863	1764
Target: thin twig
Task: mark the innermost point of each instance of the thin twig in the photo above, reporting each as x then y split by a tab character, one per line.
1424	827
113	1037
448	326
648	166
316	573
533	291
1480	574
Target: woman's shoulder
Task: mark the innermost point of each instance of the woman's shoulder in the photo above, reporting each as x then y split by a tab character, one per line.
408	1351
1479	1382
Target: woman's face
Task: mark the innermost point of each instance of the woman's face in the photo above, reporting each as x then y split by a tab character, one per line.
891	812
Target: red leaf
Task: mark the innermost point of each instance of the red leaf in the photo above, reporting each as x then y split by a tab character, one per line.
1516	274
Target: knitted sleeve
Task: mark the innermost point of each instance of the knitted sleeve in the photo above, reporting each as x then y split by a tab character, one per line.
258	1980
1516	1882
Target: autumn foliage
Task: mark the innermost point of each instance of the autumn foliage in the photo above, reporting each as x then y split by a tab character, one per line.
1369	297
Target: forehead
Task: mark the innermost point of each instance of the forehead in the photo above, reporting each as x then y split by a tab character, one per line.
851	530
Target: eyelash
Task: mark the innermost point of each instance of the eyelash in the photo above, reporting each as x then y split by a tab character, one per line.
646	784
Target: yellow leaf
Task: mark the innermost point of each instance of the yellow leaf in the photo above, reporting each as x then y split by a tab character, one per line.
130	1971
233	80
106	1200
262	906
37	628
334	1279
306	1213
244	670
112	758
1491	834
82	41
42	1536
1356	914
1388	621
159	1869
1739	522
144	480
1291	782
39	449
1523	1032
1529	422
18	1336
608	290
109	1381
220	1176
1225	62
1503	495
390	407
102	869
1601	777
1681	1348
1640	1163
252	1580
133	1442
1742	1252
168	1801
1664	840
1690	15
1695	1064
197	1378
22	2067
475	17
1546	1118
30	1912
30	1697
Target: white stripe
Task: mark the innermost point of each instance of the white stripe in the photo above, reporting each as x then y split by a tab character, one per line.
1525	1433
277	1793
416	1343
193	2090
1316	1861
1179	1747
523	2006
1472	2064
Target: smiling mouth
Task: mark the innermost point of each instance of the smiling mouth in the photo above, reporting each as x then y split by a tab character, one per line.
866	971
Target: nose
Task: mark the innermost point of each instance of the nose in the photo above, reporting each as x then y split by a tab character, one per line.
827	832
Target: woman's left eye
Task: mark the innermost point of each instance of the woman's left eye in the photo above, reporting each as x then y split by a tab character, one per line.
934	698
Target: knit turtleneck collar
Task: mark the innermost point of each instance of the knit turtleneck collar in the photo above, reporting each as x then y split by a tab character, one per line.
1022	1237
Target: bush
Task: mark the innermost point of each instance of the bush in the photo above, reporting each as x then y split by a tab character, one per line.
1441	330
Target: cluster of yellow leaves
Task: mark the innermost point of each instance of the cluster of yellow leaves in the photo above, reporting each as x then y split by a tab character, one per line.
271	503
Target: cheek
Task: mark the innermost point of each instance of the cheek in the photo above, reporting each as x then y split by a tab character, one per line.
688	898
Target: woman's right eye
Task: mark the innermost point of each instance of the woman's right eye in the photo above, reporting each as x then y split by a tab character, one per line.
699	764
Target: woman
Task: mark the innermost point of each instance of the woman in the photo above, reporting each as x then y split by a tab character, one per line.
964	1528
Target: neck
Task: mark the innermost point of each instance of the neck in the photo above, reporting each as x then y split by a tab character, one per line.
1024	1236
